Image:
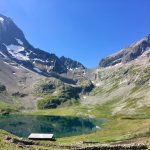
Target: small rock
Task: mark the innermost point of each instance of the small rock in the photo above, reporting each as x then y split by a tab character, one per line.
8	138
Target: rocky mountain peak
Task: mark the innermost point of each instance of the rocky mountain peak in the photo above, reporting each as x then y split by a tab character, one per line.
9	32
71	64
127	54
15	47
1	19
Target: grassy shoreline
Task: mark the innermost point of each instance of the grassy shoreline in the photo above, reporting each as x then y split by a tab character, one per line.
119	127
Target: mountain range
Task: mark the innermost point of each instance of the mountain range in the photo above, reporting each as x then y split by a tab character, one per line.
128	54
22	65
31	77
15	47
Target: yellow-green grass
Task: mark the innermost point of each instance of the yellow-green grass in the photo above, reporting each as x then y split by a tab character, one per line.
8	108
114	130
75	111
4	145
94	111
118	128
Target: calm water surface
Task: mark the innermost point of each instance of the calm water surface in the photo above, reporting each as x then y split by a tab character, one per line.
60	126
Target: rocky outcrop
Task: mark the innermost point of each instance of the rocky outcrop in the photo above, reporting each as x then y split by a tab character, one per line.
128	54
15	47
115	147
71	64
2	88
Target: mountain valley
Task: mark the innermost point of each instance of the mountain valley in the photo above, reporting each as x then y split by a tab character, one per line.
35	82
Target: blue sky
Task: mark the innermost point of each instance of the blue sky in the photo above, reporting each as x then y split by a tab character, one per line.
84	30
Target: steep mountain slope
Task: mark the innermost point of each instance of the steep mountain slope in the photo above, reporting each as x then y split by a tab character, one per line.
14	46
22	67
71	64
75	70
23	87
128	54
19	83
30	74
125	86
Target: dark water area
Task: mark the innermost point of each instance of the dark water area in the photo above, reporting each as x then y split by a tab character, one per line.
24	125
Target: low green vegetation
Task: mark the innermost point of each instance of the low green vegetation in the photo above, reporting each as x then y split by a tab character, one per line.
47	86
97	91
6	108
119	127
122	124
144	76
49	102
116	129
4	145
132	102
6	102
55	93
60	96
78	110
135	89
85	85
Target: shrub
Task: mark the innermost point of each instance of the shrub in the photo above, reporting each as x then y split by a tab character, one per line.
69	92
65	93
47	85
2	88
48	103
86	85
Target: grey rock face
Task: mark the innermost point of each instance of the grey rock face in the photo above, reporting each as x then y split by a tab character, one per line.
15	47
128	54
71	64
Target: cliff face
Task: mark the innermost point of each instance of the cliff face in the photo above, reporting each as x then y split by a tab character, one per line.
128	54
22	66
15	47
71	64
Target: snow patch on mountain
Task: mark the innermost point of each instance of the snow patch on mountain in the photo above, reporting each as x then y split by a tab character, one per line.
28	53
71	69
148	49
19	56
145	54
3	55
15	50
19	41
1	19
37	59
37	69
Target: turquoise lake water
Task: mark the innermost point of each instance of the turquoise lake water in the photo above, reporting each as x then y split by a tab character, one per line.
23	125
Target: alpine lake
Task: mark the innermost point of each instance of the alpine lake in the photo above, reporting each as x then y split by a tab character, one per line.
24	125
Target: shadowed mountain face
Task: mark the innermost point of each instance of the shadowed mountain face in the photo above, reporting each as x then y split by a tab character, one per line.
71	64
22	67
27	74
122	80
15	47
128	54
